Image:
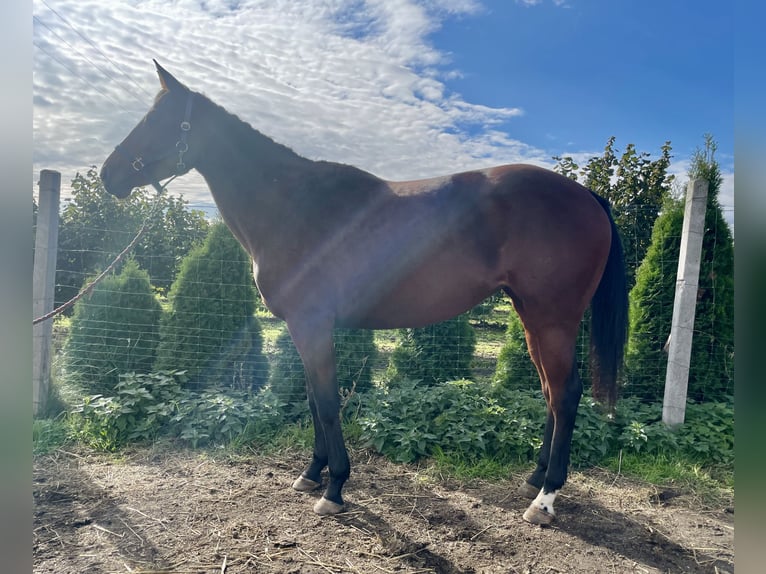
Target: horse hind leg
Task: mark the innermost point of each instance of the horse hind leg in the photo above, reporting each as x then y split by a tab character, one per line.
531	487
562	387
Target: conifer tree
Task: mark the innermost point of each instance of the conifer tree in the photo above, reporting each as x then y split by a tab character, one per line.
436	353
95	226
651	307
114	331
635	185
211	331
712	362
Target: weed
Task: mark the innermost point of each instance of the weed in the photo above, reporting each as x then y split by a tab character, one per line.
49	434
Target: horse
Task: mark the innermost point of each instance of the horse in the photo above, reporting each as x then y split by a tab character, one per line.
335	246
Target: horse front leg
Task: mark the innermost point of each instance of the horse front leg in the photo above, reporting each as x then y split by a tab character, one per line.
311	478
316	349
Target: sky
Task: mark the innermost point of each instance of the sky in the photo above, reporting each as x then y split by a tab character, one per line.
402	88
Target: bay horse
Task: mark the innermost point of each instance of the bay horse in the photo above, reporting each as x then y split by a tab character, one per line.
335	246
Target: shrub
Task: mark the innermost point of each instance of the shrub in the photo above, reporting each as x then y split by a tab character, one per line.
113	331
215	418
147	406
462	419
354	351
409	421
139	410
515	369
707	435
595	434
434	354
211	331
458	419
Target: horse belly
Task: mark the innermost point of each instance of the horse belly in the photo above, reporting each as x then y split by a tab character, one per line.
431	294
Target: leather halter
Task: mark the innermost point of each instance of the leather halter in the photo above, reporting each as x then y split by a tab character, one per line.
181	147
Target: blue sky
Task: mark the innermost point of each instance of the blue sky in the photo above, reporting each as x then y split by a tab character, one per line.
582	71
402	88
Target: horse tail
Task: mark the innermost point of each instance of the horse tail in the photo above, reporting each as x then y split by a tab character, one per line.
609	319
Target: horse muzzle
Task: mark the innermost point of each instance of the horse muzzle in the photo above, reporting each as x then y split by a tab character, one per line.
119	187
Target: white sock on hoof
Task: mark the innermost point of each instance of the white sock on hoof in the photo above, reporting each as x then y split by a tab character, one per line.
544	501
541	510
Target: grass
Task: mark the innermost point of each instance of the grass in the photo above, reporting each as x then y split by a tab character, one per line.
49	435
270	329
671	470
299	435
449	465
711	486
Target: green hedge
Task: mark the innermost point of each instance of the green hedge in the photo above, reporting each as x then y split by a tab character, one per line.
114	330
514	369
210	331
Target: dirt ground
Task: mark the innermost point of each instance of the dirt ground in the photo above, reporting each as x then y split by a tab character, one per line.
191	512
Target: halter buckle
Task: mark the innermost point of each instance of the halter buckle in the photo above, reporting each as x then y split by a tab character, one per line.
138	164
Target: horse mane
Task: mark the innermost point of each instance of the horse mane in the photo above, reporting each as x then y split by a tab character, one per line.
248	137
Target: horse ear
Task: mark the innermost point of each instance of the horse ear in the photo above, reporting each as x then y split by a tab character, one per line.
167	81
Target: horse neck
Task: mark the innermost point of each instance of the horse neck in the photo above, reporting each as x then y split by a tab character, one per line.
245	171
232	150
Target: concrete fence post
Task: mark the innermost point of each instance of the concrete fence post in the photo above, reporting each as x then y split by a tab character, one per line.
43	286
684	304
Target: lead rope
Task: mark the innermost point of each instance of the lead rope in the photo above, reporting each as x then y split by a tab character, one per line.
89	287
182	146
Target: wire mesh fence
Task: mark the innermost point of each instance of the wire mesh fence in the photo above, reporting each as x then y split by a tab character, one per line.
224	337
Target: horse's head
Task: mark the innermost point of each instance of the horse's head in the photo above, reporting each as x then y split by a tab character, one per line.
158	146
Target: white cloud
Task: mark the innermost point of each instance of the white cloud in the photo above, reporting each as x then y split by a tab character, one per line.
355	81
344	80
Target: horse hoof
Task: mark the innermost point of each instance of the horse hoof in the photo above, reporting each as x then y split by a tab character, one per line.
536	515
303	484
325	507
528	491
